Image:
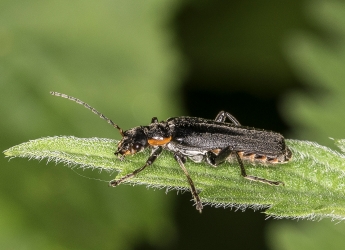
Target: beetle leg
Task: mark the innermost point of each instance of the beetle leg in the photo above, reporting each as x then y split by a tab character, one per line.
196	197
154	155
255	178
215	160
154	120
210	158
222	115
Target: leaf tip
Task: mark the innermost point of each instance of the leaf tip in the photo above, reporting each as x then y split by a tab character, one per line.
340	143
8	153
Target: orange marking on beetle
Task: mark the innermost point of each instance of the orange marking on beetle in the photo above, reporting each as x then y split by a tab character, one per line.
262	158
127	152
216	151
155	142
249	157
274	160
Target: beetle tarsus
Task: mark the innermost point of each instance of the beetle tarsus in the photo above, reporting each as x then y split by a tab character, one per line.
259	179
199	206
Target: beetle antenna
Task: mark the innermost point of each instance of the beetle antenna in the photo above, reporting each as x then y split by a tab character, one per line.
88	107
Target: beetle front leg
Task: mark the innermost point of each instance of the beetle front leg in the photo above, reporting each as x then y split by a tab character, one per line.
195	195
222	115
154	155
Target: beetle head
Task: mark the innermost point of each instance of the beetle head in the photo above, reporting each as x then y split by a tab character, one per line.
134	140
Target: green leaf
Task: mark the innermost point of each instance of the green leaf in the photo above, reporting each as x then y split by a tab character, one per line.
314	179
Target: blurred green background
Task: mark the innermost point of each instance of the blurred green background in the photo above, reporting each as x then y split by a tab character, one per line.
278	66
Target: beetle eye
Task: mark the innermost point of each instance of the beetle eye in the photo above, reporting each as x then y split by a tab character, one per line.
137	146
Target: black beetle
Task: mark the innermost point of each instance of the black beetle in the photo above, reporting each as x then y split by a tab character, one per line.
198	139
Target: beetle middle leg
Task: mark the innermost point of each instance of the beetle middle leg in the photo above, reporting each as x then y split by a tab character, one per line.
215	160
179	158
154	155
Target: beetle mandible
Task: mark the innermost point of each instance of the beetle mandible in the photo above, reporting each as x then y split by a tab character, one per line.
198	139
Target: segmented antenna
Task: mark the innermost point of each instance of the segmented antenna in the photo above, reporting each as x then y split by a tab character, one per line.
88	107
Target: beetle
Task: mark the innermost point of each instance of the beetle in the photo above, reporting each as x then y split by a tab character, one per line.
200	140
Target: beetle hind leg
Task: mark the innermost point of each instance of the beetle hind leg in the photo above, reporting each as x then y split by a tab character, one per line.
269	182
214	160
255	178
222	115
